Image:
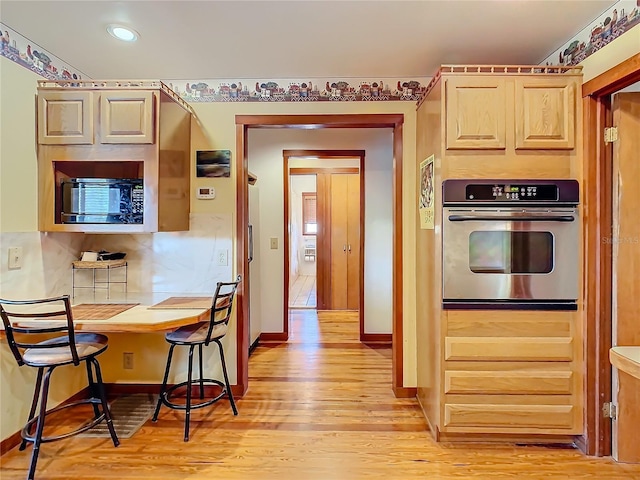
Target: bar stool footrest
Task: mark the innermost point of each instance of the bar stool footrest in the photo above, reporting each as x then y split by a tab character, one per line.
31	438
195	383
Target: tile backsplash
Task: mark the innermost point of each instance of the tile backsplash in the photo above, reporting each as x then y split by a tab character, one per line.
179	262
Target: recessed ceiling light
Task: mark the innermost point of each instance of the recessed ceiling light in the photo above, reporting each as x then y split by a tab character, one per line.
123	33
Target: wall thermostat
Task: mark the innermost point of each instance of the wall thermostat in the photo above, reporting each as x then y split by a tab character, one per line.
206	193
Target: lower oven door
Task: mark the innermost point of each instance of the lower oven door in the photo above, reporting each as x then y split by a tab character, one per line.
518	255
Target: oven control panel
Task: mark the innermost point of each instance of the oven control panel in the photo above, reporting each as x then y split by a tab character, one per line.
511	192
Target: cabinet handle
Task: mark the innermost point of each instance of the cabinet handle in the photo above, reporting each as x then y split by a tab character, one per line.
344	248
349	248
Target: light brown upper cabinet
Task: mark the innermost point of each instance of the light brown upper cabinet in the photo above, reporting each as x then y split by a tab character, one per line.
126	117
475	111
69	117
545	113
65	118
516	112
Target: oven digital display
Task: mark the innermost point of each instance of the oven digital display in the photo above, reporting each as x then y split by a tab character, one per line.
504	192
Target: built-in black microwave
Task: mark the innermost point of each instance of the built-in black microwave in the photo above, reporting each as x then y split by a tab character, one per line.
102	200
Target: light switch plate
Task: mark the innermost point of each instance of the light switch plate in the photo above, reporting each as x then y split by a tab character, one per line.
15	258
274	243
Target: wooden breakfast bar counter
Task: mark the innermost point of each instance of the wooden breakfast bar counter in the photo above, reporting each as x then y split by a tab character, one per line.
137	312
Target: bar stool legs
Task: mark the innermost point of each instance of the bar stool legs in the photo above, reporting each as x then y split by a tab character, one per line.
163	388
226	378
42	391
165	392
34	404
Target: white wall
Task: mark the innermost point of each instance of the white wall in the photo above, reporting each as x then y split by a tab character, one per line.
265	160
300	184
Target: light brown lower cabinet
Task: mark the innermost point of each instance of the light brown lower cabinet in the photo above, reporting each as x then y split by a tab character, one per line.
508	372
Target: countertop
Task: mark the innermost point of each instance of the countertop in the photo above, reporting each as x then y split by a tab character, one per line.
139	318
626	359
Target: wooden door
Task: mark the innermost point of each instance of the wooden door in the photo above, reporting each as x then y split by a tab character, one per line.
626	270
345	241
65	118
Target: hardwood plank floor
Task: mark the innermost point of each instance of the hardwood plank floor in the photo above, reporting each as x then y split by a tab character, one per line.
302	293
319	407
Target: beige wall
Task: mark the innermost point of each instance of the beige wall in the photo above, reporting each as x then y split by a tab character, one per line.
18	198
616	52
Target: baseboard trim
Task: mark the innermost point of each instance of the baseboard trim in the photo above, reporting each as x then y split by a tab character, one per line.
14	440
274	337
376	338
405	392
581	443
554	440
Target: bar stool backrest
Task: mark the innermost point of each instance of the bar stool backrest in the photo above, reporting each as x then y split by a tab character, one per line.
222	305
20	323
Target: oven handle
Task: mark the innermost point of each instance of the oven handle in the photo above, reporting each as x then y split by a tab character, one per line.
531	218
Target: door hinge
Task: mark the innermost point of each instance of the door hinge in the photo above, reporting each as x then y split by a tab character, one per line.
610	135
609	410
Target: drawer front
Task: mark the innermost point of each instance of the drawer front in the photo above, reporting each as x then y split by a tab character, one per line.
508	382
509	416
541	349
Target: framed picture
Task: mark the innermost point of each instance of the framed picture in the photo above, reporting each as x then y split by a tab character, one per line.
213	163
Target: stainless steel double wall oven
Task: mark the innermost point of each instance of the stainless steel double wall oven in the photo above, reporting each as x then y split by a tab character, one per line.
511	244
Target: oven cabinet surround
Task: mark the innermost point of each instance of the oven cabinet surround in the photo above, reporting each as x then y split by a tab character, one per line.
115	131
497	375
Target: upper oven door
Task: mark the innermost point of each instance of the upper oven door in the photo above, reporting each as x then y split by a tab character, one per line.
510	254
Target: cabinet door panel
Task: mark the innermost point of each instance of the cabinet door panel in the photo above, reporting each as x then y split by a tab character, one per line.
65	118
508	416
475	110
126	117
545	113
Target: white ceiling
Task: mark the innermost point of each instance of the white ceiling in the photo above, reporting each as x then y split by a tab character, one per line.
297	39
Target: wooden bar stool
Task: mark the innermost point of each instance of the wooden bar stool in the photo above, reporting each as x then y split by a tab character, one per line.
45	355
201	334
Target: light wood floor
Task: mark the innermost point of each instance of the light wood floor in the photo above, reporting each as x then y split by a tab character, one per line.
302	293
319	407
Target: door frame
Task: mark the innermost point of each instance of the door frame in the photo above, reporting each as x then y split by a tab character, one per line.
597	201
322	275
394	121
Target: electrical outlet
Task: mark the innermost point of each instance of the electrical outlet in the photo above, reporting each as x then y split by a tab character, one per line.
15	258
127	360
222	258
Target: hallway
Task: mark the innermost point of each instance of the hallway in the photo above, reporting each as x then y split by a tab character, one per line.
319	407
302	293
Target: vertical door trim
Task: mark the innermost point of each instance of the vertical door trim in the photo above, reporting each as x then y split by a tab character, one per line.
597	202
382	120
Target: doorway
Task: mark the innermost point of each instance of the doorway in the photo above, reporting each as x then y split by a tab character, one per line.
394	123
597	186
336	246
